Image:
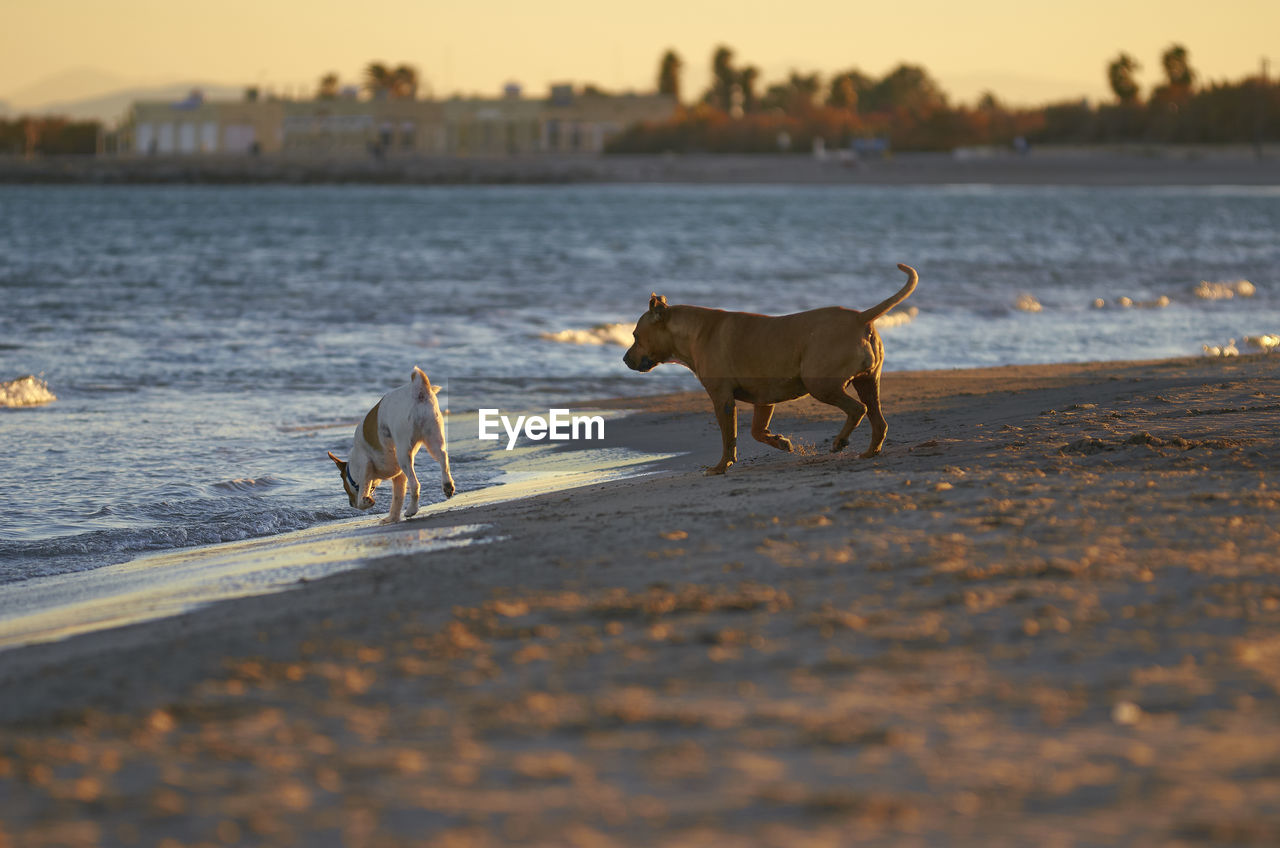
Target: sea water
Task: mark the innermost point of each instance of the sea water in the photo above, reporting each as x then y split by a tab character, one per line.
176	361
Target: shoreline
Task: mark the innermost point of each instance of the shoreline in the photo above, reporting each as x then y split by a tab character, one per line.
1050	606
1059	166
164	584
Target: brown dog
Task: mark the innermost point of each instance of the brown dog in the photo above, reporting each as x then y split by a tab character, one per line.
764	360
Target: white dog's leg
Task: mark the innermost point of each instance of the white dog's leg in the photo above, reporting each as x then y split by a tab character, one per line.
397	499
405	457
440	455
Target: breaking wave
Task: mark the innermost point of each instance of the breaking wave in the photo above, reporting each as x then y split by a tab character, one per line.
621	335
25	391
1223	291
897	318
1228	349
1265	343
1125	302
600	334
1203	290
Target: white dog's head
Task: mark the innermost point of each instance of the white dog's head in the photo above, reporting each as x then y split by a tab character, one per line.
359	492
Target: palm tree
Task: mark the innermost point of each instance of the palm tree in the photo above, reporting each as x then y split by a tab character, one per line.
404	82
1120	75
723	79
905	87
1177	67
847	88
805	89
669	74
377	80
989	102
795	96
383	82
747	86
328	89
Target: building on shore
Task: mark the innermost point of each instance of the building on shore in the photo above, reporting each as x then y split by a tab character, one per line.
566	121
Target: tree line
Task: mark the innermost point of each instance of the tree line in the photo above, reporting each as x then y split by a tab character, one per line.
906	108
909	110
47	136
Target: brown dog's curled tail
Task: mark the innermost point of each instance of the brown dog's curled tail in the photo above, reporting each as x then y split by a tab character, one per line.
876	311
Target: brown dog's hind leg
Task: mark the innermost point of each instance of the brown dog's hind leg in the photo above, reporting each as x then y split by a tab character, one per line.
760	428
832	392
868	388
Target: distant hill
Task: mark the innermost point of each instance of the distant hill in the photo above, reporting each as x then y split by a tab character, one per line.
68	84
109	108
4	109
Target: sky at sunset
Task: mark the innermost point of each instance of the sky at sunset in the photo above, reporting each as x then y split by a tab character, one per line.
1026	51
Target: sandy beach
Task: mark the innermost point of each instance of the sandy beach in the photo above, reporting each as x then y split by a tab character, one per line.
1048	614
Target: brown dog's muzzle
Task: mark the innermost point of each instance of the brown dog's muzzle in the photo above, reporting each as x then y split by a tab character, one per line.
638	361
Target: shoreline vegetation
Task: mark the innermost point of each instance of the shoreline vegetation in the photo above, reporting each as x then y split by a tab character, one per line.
1136	165
1049	610
906	109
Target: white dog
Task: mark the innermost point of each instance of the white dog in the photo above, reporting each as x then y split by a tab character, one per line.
386	441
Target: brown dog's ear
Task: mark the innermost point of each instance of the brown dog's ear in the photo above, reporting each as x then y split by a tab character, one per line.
657	304
337	461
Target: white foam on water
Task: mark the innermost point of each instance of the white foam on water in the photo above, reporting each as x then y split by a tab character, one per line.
1027	303
1125	302
897	318
600	334
621	335
25	391
1206	290
1267	342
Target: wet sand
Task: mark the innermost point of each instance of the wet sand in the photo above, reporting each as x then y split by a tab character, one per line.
1048	614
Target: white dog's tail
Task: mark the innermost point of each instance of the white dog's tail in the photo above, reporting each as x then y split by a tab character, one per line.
876	311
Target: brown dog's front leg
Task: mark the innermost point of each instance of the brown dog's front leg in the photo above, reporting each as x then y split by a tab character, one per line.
727	417
760	428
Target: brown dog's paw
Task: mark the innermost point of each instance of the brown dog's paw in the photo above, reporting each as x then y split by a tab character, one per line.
839	445
715	470
870	454
782	443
